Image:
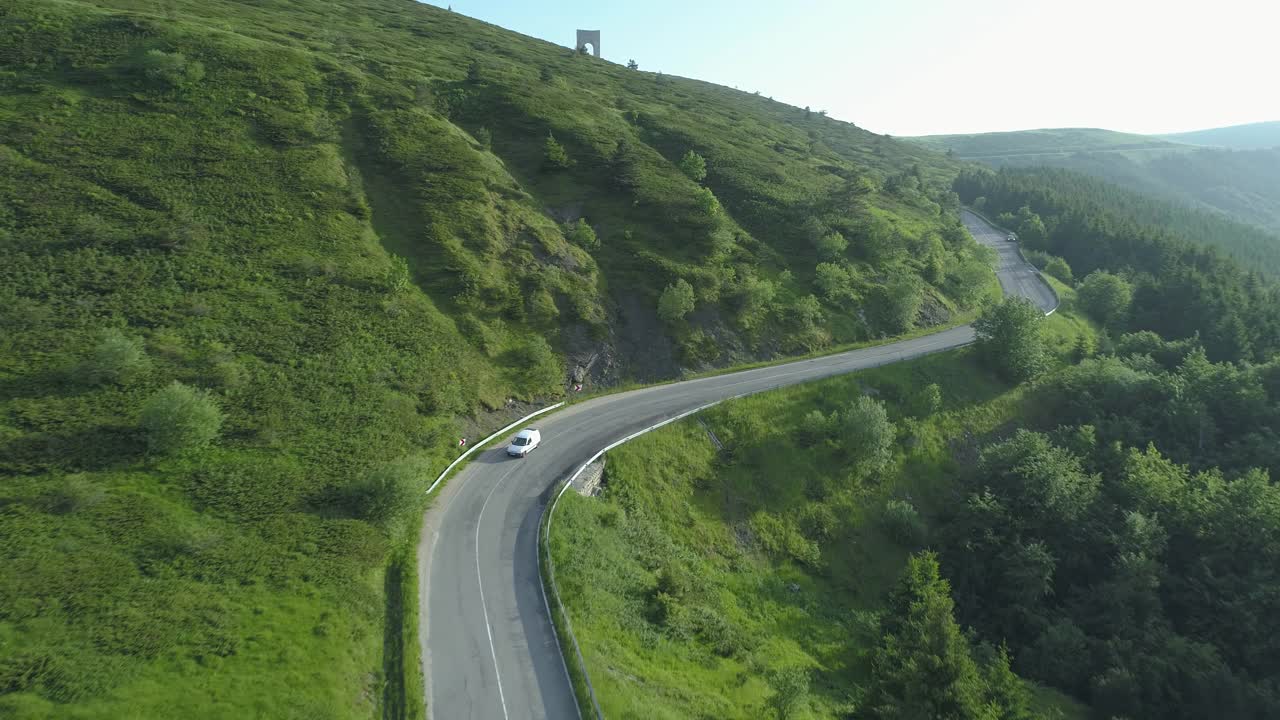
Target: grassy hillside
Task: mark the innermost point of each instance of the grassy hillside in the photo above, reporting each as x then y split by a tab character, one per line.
1253	136
342	230
1239	186
700	578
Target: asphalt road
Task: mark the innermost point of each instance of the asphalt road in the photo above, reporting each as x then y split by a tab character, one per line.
1016	276
488	647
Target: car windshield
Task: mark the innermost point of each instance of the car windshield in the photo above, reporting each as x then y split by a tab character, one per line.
520	441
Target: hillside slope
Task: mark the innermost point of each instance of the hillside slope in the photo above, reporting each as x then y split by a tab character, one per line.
343	231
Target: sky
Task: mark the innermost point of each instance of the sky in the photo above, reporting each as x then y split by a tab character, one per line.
918	67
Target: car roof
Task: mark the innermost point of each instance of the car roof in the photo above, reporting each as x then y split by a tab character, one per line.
527	432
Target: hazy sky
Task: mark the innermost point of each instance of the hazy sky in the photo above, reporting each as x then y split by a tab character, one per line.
914	67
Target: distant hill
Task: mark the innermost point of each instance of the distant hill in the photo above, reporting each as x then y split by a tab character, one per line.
1242	186
1252	136
1047	142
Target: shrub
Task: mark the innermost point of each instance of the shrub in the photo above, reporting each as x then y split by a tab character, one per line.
582	235
676	301
790	692
539	370
902	523
780	538
484	137
170	70
116	358
928	400
178	418
391	495
815	427
75	492
694	166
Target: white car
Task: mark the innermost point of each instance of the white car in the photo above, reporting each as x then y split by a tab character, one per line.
524	442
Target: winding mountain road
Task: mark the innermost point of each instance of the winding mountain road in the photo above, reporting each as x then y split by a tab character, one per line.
488	646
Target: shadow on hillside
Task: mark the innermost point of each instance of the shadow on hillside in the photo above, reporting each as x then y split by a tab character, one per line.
89	449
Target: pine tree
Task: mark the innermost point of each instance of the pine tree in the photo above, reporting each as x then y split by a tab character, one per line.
922	666
554	155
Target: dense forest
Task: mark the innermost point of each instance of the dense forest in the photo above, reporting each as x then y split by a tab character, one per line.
1227	196
1180	287
1070	519
1127	548
1250	246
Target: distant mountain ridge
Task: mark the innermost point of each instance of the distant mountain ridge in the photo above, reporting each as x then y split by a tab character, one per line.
1049	141
1252	136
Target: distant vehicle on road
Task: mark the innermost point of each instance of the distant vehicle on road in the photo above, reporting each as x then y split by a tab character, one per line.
1012	238
524	442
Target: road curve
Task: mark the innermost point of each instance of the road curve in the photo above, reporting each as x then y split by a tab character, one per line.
488	646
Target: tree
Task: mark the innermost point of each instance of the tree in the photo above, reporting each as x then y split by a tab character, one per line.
178	418
1106	298
633	65
868	434
582	235
473	72
1057	267
1042	484
117	358
676	301
1010	339
922	667
790	690
707	202
694	166
832	246
1005	690
1031	230
545	74
484	137
898	302
554	156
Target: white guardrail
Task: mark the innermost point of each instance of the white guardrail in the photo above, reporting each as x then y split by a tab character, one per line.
482	443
